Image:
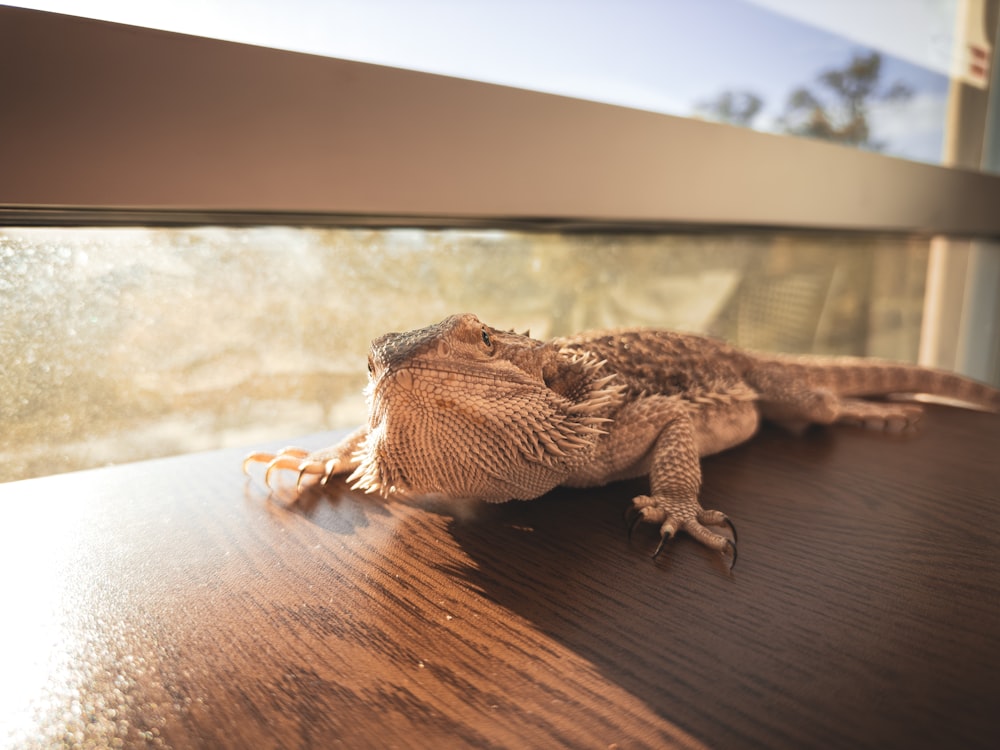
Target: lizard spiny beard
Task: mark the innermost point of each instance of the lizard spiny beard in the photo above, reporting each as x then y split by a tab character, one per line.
480	435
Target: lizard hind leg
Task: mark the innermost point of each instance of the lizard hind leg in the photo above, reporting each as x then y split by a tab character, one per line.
821	406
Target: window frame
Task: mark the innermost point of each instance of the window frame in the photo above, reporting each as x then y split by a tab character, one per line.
106	123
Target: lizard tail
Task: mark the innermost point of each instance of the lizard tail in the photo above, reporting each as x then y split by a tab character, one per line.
855	376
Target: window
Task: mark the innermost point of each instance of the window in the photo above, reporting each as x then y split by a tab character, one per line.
199	239
125	343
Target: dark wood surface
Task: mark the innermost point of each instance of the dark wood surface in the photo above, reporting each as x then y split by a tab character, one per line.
172	603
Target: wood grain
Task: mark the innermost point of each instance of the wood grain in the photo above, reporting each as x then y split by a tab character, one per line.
172	603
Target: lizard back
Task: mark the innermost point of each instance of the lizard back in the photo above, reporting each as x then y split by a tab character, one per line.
665	362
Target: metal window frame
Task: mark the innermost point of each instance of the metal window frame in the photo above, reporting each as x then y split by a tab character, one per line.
106	123
961	323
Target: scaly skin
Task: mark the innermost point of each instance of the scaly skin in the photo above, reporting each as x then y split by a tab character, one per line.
463	410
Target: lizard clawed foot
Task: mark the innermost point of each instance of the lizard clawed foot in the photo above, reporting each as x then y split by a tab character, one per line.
689	516
891	417
294	459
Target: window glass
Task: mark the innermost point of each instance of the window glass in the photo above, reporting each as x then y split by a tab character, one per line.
120	344
875	74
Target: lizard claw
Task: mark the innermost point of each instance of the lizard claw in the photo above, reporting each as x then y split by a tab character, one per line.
633	517
312	466
664	538
286	458
254	458
302	473
717	518
731	546
736	537
328	470
683	516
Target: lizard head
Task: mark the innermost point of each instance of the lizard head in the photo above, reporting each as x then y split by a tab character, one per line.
464	410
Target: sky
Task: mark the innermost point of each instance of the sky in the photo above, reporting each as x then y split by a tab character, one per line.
662	55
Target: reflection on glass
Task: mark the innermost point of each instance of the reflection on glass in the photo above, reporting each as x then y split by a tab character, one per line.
123	344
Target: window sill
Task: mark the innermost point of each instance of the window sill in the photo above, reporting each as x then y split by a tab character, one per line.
172	599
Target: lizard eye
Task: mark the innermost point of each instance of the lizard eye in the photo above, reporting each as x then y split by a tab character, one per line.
487	340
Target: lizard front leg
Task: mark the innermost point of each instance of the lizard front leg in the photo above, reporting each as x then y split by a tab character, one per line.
675	479
337	459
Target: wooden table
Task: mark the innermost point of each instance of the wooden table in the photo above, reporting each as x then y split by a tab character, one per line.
172	603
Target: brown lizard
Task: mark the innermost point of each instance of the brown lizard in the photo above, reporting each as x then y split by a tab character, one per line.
463	410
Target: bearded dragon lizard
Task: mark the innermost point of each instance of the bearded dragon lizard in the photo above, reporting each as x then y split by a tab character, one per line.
463	410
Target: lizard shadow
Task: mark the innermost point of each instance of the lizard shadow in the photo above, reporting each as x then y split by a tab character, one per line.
565	563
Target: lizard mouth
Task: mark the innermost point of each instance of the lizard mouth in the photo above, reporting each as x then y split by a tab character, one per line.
441	389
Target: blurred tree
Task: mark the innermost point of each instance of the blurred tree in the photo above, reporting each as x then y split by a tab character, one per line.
838	109
733	107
